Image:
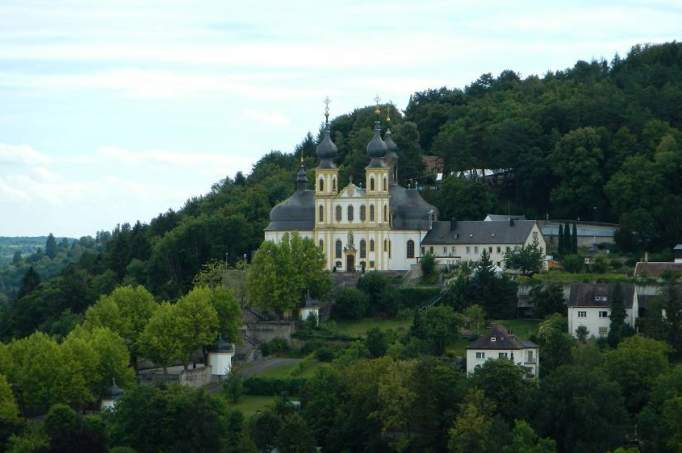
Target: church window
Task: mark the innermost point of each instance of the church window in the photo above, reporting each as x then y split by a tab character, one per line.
338	213
350	213
410	248
371	184
385	214
385	245
321	184
321	244
476	250
321	211
431	250
338	248
334	184
389	249
363	249
385	184
371	245
499	249
363	213
371	264
371	213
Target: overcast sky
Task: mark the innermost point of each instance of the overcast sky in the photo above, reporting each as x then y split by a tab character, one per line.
113	111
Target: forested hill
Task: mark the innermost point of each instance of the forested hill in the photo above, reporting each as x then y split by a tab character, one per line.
597	141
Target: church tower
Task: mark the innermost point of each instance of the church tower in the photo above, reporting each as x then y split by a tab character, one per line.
326	174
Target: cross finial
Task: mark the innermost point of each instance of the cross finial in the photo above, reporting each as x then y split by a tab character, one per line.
388	111
377	99
327	101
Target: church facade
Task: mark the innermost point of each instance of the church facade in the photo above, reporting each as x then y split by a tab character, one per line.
376	227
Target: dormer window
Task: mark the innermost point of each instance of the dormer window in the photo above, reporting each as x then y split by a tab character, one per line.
493	339
600	298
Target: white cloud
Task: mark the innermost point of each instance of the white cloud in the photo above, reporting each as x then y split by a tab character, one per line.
21	154
268	118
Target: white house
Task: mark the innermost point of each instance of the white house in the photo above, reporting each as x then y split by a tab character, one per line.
589	306
454	242
499	343
220	357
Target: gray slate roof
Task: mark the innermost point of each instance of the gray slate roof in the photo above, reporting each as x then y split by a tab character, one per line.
479	232
500	217
500	338
598	295
409	211
655	269
678	248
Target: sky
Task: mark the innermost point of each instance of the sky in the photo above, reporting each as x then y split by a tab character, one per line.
116	110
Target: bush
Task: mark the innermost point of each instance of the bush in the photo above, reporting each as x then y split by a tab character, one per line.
324	354
417	297
351	303
373	284
274	346
573	263
600	264
233	388
428	266
273	387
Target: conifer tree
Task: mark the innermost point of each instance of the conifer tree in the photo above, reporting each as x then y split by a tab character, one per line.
617	316
51	246
567	239
562	245
574	239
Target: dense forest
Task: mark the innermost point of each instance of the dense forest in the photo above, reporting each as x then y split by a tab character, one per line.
597	141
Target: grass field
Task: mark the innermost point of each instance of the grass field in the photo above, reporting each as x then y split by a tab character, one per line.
360	327
250	404
567	277
303	369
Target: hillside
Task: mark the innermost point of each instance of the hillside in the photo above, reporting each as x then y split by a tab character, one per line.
600	140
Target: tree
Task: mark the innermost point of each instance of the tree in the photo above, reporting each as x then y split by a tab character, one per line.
16	258
474	316
29	282
376	342
574	238
126	311
562	241
294	436
464	199
229	313
350	303
635	365
672	423
582	410
504	384
281	274
528	259
525	440
159	341
234	387
51	246
582	334
573	263
69	431
10	421
428	266
437	327
197	322
472	430
547	299
396	398
617	316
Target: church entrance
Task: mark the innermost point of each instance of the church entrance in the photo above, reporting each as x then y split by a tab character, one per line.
350	263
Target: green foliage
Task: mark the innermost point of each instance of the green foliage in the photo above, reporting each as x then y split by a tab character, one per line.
273	386
617	317
473	428
376	343
274	347
281	274
9	411
233	387
428	266
69	431
505	385
437	327
464	199
525	440
474	318
294	435
528	259
547	299
350	303
573	263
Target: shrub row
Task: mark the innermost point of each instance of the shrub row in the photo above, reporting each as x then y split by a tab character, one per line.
273	386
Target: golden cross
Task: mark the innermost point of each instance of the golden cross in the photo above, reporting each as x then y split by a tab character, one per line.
377	110
327	101
388	111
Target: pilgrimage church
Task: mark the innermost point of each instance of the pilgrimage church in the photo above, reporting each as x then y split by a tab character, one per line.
376	227
384	226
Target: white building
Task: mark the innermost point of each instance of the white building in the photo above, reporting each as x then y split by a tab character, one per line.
589	306
376	227
220	357
499	343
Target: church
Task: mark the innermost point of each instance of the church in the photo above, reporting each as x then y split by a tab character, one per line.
384	226
376	227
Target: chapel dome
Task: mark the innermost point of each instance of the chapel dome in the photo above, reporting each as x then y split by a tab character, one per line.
376	148
326	149
391	147
295	213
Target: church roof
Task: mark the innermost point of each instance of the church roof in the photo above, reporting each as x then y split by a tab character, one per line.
479	232
376	148
326	149
409	210
296	213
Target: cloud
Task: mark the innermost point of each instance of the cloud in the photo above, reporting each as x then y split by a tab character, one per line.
21	154
268	118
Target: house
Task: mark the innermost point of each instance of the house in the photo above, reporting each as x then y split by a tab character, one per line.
677	253
589	306
590	234
454	242
656	269
499	343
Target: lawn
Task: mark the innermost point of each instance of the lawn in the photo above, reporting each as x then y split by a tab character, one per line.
522	328
360	327
568	277
250	404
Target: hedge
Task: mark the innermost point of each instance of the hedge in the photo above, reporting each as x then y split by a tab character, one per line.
273	386
417	296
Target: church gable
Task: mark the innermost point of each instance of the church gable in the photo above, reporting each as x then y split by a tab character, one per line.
352	191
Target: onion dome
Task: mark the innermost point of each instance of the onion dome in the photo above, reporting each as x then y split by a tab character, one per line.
301	178
390	145
221	345
376	148
326	150
114	392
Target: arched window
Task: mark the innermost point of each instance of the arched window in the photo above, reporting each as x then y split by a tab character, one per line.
363	213
363	249
410	248
389	248
385	184
338	248
371	184
321	184
371	245
371	213
385	245
321	244
338	213
334	184
385	214
350	213
321	213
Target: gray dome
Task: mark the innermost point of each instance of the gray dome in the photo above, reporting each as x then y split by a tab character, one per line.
376	148
295	213
326	149
301	178
410	211
390	145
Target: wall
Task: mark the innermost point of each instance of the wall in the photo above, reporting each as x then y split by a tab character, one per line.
520	356
593	322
